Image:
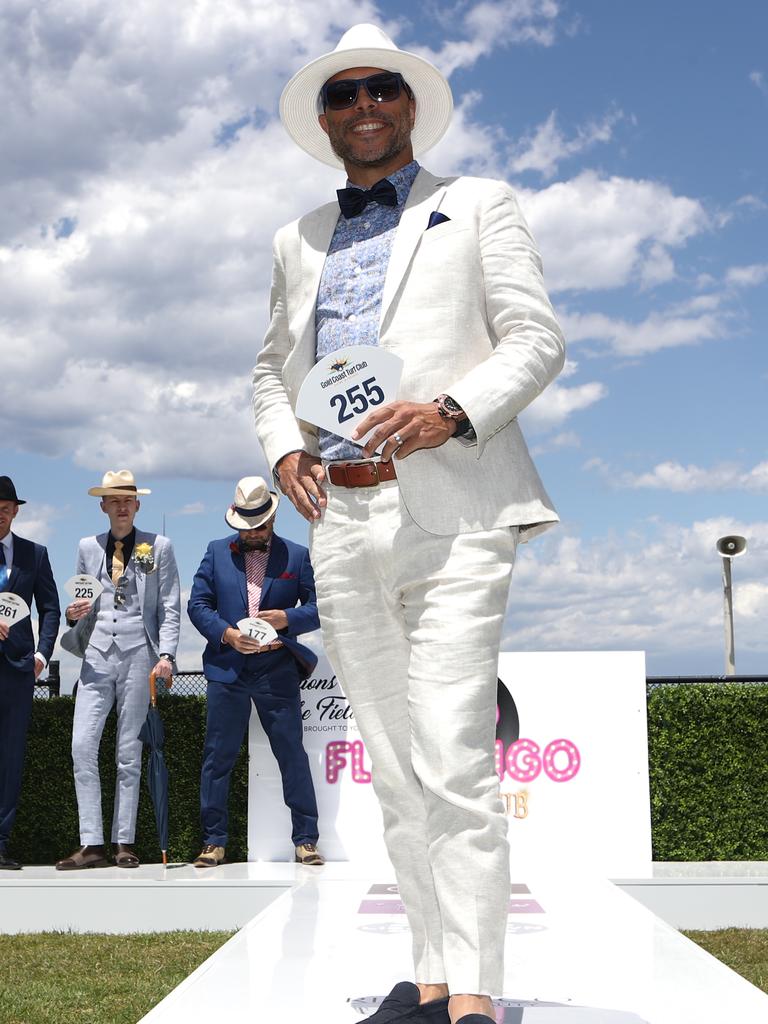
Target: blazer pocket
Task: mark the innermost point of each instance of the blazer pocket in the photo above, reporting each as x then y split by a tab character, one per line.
441	231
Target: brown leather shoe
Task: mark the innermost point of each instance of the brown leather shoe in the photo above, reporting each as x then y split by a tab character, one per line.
307	853
85	857
210	856
125	857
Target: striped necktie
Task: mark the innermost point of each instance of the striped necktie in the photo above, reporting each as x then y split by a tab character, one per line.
255	570
5	572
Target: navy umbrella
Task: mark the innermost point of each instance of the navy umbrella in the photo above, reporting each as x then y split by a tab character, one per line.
153	735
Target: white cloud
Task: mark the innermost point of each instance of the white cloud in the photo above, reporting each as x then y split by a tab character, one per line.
557	403
757	78
673	476
35	522
659	330
194	508
547	147
748	276
599	232
494	24
566	439
656	588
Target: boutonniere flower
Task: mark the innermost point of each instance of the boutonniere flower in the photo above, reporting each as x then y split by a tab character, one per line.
144	557
234	547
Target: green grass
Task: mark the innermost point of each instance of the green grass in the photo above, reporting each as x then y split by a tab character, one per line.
62	978
745	950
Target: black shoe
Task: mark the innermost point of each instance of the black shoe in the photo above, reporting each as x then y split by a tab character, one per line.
475	1018
7	863
400	1005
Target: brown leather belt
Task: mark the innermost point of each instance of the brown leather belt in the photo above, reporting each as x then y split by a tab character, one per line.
361	474
274	646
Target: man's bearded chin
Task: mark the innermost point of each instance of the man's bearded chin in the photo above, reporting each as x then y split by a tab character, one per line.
397	143
253	545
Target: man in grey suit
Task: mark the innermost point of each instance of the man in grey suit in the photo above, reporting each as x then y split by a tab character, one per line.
413	548
129	631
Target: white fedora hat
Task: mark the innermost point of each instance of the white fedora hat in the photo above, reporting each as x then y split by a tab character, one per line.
254	504
118	483
365	46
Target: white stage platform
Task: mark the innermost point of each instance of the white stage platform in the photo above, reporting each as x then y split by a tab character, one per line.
326	944
578	951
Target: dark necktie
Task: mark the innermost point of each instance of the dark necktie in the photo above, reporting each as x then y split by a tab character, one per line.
5	574
118	565
354	200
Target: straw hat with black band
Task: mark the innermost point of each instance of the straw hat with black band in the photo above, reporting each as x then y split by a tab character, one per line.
117	483
253	506
365	46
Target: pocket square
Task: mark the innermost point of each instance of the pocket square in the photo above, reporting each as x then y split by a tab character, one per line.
286	576
436	218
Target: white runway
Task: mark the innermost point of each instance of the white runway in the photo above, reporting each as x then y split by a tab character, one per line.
578	951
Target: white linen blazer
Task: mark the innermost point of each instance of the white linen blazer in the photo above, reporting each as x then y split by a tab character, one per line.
464	306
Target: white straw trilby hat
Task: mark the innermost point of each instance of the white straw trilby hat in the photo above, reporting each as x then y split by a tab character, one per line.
365	46
254	504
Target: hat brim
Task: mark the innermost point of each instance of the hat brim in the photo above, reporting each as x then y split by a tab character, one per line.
116	492
239	522
298	103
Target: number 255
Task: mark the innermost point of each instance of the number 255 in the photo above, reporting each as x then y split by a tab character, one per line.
357	401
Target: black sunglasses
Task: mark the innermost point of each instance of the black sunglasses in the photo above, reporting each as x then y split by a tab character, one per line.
383	87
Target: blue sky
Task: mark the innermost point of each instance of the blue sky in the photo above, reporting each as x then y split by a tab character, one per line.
143	177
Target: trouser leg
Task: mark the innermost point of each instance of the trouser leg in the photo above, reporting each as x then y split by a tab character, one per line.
94	700
278	704
364	638
16	694
132	702
229	708
427	611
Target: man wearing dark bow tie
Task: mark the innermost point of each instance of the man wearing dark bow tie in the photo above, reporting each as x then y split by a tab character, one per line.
414	534
255	573
25	571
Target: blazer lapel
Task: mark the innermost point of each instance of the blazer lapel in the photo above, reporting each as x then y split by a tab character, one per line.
20	560
238	567
141	580
413	224
276	563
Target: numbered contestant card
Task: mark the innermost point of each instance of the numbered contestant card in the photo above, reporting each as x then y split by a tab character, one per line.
83	587
343	387
12	608
258	630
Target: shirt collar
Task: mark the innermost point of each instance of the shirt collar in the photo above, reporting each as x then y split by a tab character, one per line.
402	180
7	541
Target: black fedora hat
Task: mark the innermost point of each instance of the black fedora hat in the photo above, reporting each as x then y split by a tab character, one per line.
8	491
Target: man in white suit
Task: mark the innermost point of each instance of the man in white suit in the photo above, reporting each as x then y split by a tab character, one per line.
131	629
413	548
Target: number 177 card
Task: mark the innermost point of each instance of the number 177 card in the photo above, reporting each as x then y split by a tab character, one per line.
345	386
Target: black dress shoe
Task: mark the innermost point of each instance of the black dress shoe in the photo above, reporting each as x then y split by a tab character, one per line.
7	863
400	1005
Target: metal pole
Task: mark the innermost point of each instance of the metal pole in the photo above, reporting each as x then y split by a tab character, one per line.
730	663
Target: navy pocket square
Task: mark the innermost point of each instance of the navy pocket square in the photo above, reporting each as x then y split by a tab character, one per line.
436	218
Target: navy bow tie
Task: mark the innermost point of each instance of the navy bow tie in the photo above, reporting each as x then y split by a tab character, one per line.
354	200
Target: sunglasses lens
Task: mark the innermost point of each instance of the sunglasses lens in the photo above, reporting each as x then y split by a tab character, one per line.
383	88
339	95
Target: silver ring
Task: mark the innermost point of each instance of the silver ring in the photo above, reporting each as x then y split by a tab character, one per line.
400	441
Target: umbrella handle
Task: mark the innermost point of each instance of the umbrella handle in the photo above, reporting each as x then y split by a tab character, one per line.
153	689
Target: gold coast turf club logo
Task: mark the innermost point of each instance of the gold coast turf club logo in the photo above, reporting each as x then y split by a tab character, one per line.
338	365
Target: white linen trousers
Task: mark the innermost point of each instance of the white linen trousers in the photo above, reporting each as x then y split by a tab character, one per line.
412	625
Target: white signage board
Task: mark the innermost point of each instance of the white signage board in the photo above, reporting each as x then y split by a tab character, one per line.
571	753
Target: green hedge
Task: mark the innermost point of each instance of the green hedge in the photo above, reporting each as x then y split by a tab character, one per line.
708	754
46	827
708	761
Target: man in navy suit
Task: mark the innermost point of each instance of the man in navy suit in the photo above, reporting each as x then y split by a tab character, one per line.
255	573
25	571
